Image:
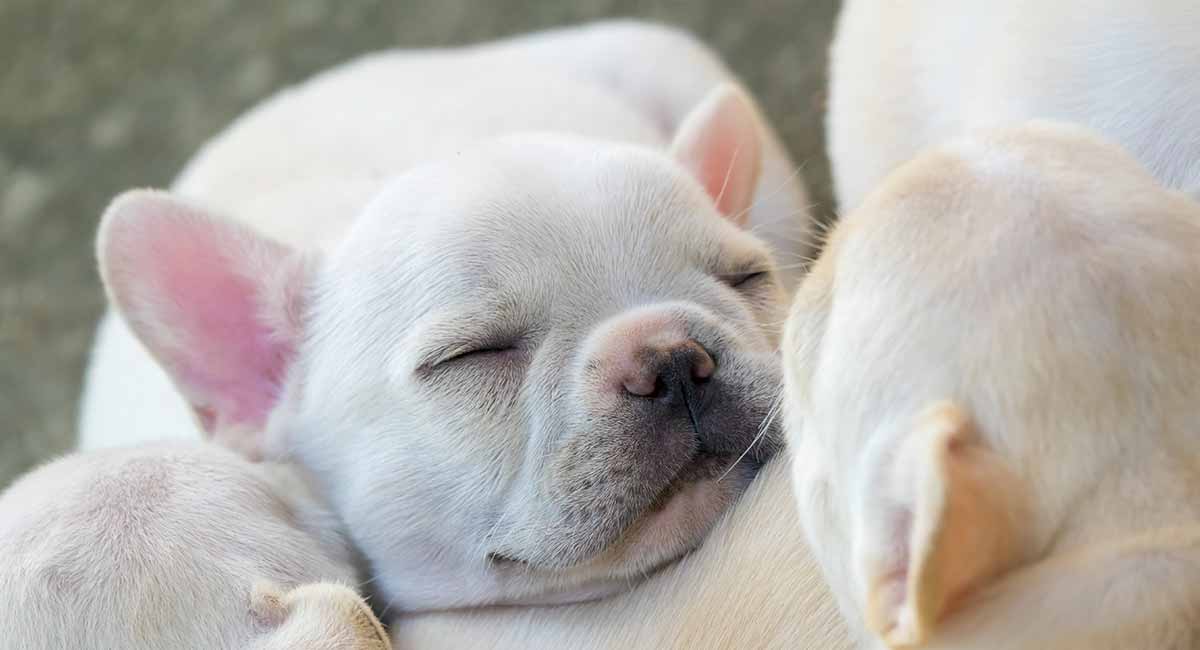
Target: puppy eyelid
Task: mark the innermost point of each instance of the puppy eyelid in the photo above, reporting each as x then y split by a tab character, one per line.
739	278
456	351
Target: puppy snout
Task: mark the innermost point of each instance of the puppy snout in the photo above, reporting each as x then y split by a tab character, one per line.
671	372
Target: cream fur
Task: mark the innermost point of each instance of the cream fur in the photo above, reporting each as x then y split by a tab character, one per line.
992	379
907	75
174	546
320	616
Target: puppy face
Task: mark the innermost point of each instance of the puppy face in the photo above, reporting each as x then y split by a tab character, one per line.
986	368
531	373
578	370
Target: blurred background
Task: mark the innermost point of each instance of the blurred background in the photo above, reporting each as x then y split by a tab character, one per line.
98	97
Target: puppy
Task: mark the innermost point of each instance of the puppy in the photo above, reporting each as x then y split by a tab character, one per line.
502	303
992	396
174	546
907	75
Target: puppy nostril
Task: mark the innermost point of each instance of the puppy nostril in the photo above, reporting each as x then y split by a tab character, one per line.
664	372
693	362
703	365
643	386
651	387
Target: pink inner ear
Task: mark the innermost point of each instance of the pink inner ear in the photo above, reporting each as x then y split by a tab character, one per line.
191	288
717	172
720	143
230	354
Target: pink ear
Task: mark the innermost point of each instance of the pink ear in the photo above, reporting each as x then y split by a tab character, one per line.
216	304
720	142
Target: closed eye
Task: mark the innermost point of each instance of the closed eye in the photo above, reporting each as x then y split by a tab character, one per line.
743	280
484	353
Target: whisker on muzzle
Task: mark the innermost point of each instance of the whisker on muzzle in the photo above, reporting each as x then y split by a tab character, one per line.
765	426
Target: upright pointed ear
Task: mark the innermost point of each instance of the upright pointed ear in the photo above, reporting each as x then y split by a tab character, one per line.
720	143
219	306
945	521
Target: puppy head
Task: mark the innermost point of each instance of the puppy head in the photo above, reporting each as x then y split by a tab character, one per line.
987	366
533	372
159	547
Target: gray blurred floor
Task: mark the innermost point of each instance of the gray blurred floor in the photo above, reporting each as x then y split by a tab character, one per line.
96	97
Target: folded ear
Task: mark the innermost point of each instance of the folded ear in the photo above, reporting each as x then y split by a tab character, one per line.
340	607
944	520
720	143
219	306
267	605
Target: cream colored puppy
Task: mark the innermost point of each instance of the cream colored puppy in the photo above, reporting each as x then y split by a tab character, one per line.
906	75
993	385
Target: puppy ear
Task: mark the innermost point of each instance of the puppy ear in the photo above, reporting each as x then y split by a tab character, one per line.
943	521
267	606
720	143
217	305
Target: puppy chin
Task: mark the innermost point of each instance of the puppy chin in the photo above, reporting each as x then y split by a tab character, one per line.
669	530
682	516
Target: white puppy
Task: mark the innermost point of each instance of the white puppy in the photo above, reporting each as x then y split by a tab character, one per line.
501	302
993	384
174	546
907	75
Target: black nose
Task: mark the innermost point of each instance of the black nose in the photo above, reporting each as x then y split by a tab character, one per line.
674	376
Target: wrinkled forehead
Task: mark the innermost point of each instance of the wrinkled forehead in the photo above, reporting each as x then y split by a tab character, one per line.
536	219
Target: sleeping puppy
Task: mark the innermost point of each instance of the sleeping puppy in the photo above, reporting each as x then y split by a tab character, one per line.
174	546
502	303
993	401
907	75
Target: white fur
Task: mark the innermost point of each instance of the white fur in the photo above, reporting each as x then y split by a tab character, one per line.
428	186
170	546
906	75
303	185
992	379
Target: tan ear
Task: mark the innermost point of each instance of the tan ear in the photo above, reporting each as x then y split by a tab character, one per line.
315	615
348	608
950	524
720	143
267	605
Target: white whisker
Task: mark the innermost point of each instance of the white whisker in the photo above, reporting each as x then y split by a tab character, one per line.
762	431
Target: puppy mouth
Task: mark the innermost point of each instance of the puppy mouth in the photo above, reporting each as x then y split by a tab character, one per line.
656	499
704	467
706	464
